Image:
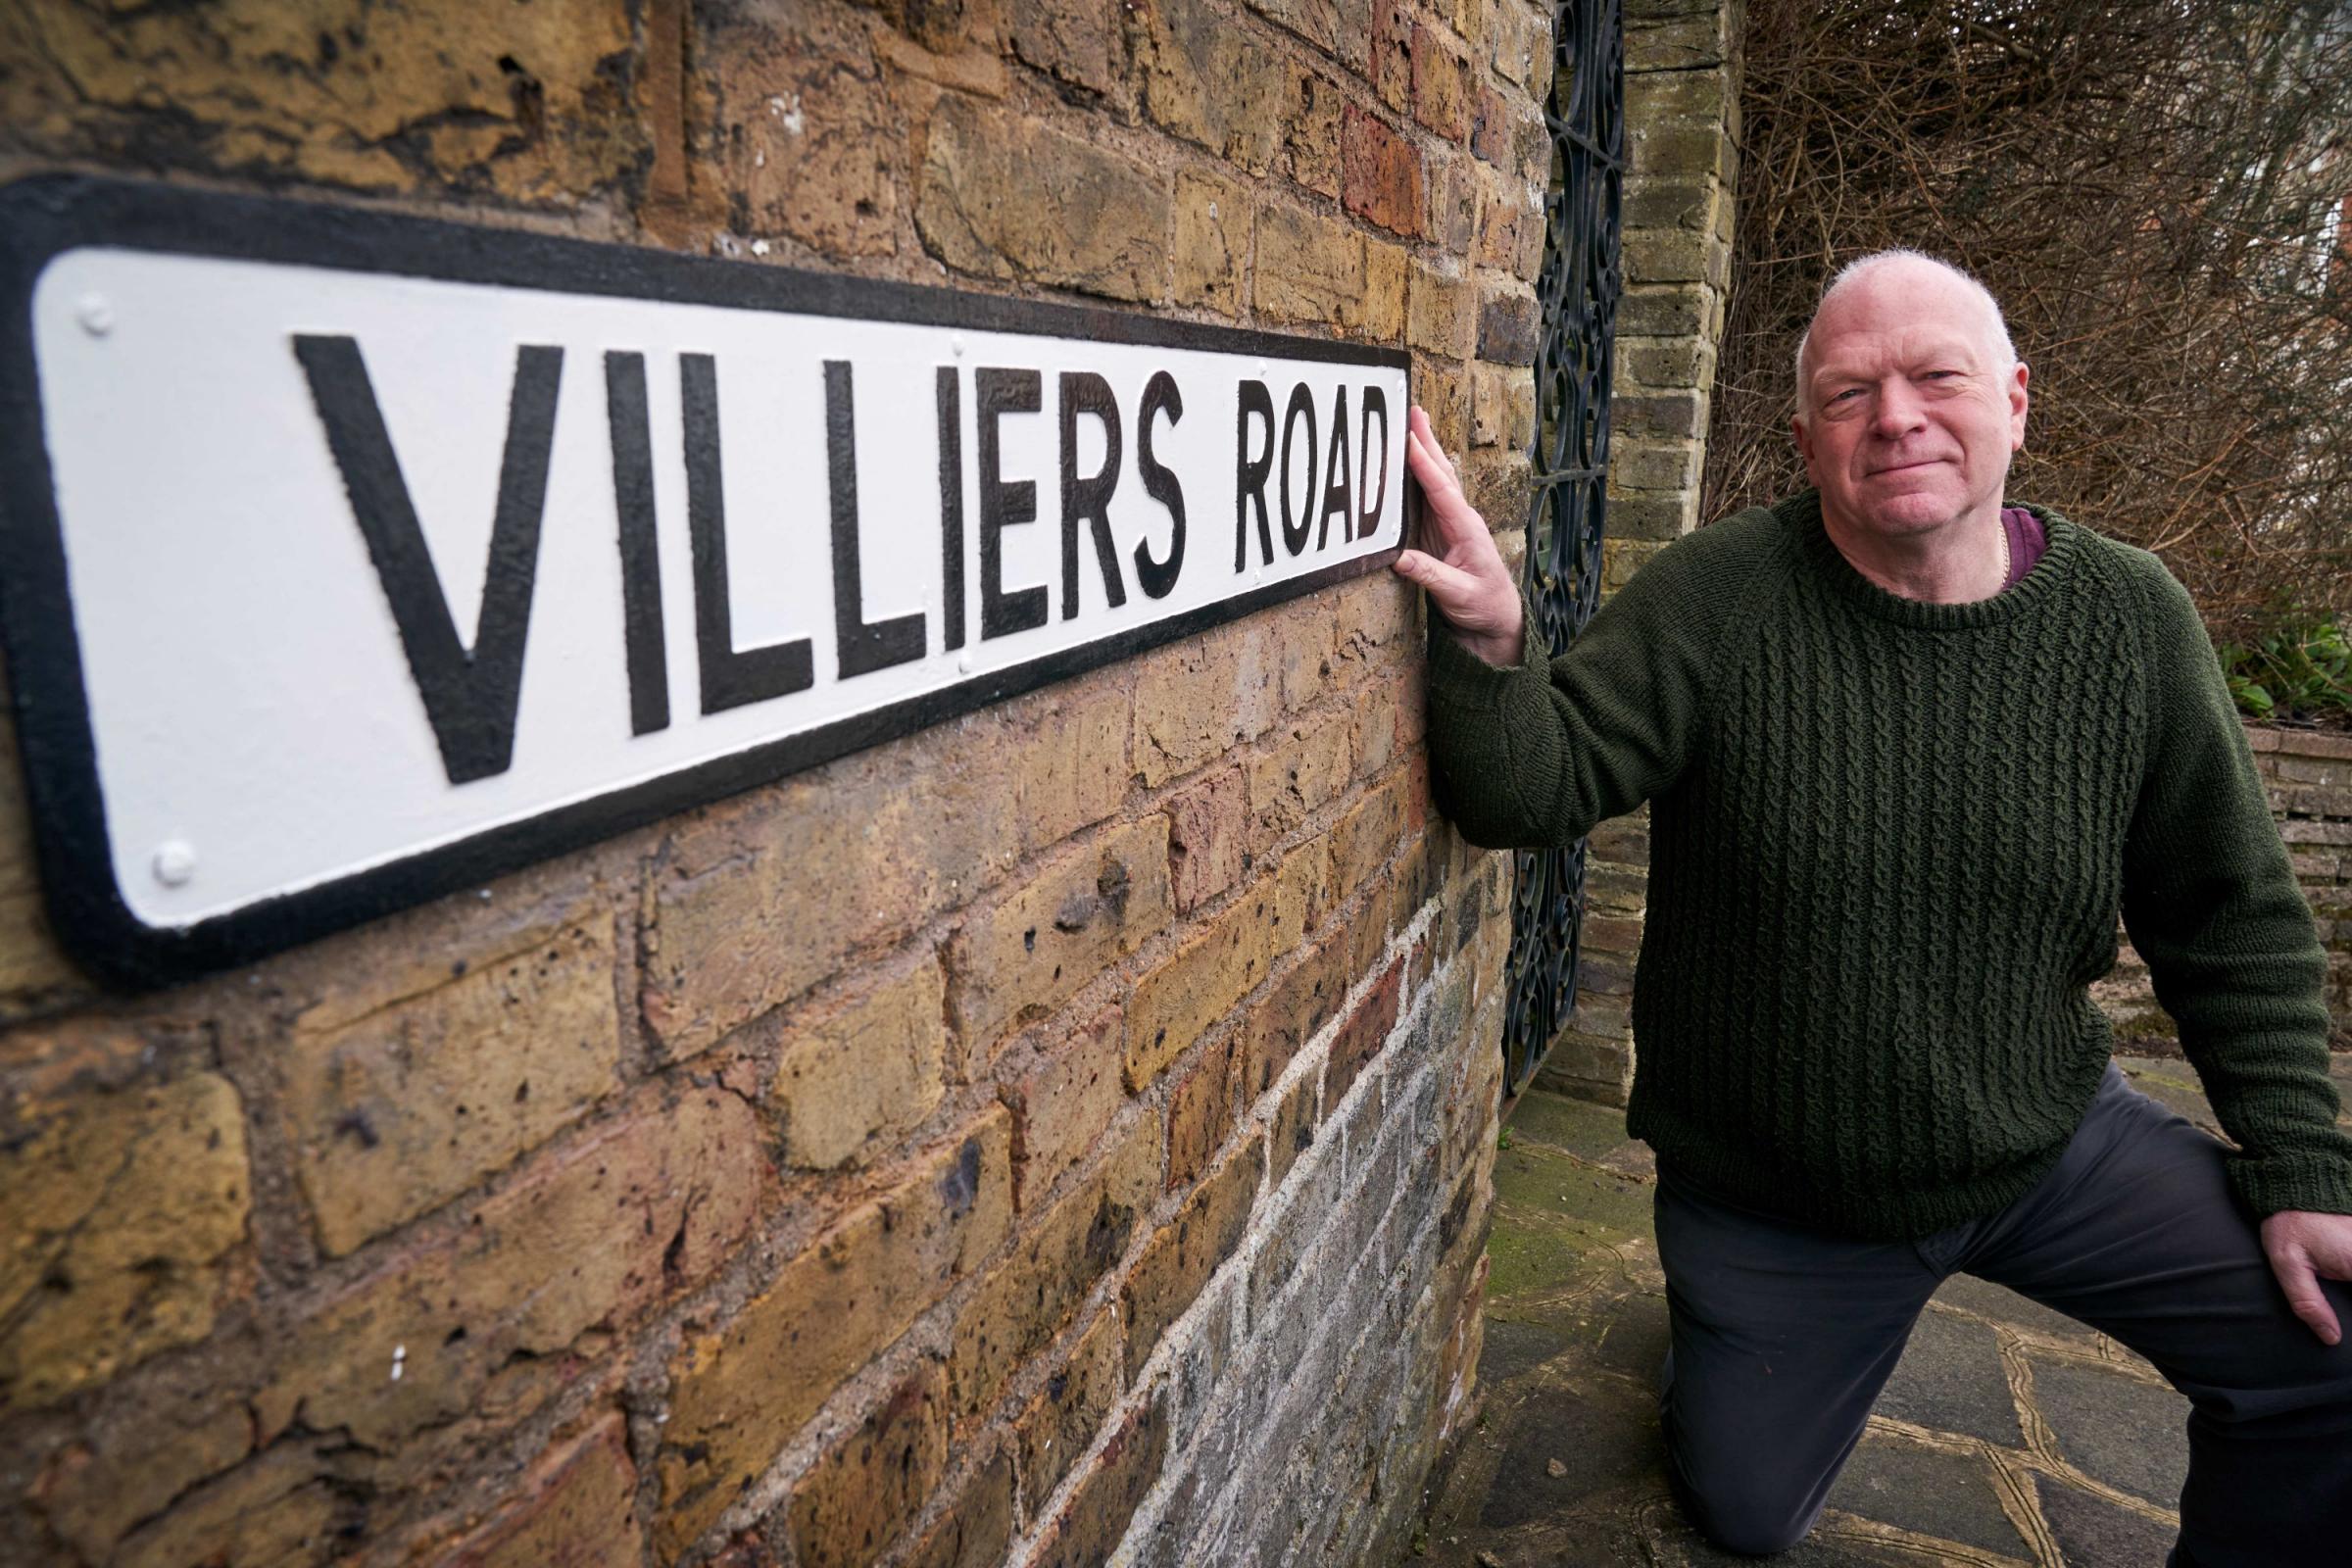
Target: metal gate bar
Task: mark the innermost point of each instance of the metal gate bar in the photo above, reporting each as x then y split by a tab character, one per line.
1577	293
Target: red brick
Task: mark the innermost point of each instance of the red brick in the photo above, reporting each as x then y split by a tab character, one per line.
1362	1037
1490	127
1381	179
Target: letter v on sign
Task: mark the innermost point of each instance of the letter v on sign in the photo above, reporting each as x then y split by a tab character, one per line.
469	696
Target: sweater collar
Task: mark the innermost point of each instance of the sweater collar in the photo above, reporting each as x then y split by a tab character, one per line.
1801	515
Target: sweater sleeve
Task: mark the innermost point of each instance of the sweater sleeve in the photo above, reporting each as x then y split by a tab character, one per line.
1534	754
2212	905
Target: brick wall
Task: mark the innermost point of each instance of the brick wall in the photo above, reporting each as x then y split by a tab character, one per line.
1682	120
2309	777
1066	1125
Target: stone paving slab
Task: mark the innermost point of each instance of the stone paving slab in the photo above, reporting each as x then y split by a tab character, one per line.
2009	1437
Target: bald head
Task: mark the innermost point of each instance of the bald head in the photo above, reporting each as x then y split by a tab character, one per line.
1932	284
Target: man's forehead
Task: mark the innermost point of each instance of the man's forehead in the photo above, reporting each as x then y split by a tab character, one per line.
1926	334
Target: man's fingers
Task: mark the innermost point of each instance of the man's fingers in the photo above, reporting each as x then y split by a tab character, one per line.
1457	521
1456	591
2304	1297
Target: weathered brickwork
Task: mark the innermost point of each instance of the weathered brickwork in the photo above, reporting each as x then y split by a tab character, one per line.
1059	1136
2309	778
1681	123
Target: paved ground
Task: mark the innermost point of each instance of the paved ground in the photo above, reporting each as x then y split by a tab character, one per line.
2010	1434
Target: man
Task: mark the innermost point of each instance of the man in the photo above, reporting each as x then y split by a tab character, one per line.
1910	751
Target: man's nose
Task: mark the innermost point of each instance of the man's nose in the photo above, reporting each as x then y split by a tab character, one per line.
1896	410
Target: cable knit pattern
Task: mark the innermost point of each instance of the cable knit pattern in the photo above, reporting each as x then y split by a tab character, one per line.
1889	842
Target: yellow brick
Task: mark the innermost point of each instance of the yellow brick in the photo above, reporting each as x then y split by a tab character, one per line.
1086	908
1378	312
1213	240
1063	1099
1066	750
1372	830
1205	696
1306	764
396	1104
869	1485
1059	1424
1309	267
1177	1003
343	91
877	843
1005	196
802	122
1023	1302
123	1208
31	961
740	1393
281	1506
592	1235
571	1508
870	1070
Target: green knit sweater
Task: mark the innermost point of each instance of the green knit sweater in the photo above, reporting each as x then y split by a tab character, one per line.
1889	842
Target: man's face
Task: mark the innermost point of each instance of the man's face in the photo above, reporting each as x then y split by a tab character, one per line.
1907	417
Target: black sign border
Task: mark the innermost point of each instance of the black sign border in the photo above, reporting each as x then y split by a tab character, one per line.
46	215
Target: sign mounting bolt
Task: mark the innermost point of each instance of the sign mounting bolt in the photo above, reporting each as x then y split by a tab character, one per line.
96	316
174	863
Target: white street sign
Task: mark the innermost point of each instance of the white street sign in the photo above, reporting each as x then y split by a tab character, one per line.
348	559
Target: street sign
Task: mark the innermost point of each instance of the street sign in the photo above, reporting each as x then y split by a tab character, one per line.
349	558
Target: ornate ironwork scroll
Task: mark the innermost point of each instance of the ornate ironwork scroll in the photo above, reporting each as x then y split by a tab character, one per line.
1577	291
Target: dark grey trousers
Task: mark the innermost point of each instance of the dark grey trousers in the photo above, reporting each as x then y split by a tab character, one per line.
1783	1336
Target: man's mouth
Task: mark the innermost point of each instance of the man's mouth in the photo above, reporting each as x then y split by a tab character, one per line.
1902	468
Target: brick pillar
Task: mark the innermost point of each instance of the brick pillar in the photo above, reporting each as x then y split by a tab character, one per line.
1681	111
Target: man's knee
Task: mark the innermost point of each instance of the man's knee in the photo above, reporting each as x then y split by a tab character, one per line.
1741	1505
1753	1527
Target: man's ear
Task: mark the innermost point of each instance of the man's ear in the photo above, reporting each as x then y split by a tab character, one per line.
2017	407
1804	439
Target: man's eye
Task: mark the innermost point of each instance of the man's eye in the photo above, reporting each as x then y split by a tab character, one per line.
1849	392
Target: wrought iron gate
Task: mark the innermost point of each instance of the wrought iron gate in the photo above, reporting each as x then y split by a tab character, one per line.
1577	292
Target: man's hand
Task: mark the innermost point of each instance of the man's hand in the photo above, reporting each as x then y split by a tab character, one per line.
1469	584
2305	1248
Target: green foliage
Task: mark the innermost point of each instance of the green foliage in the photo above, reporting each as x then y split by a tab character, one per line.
2300	668
1502	1138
